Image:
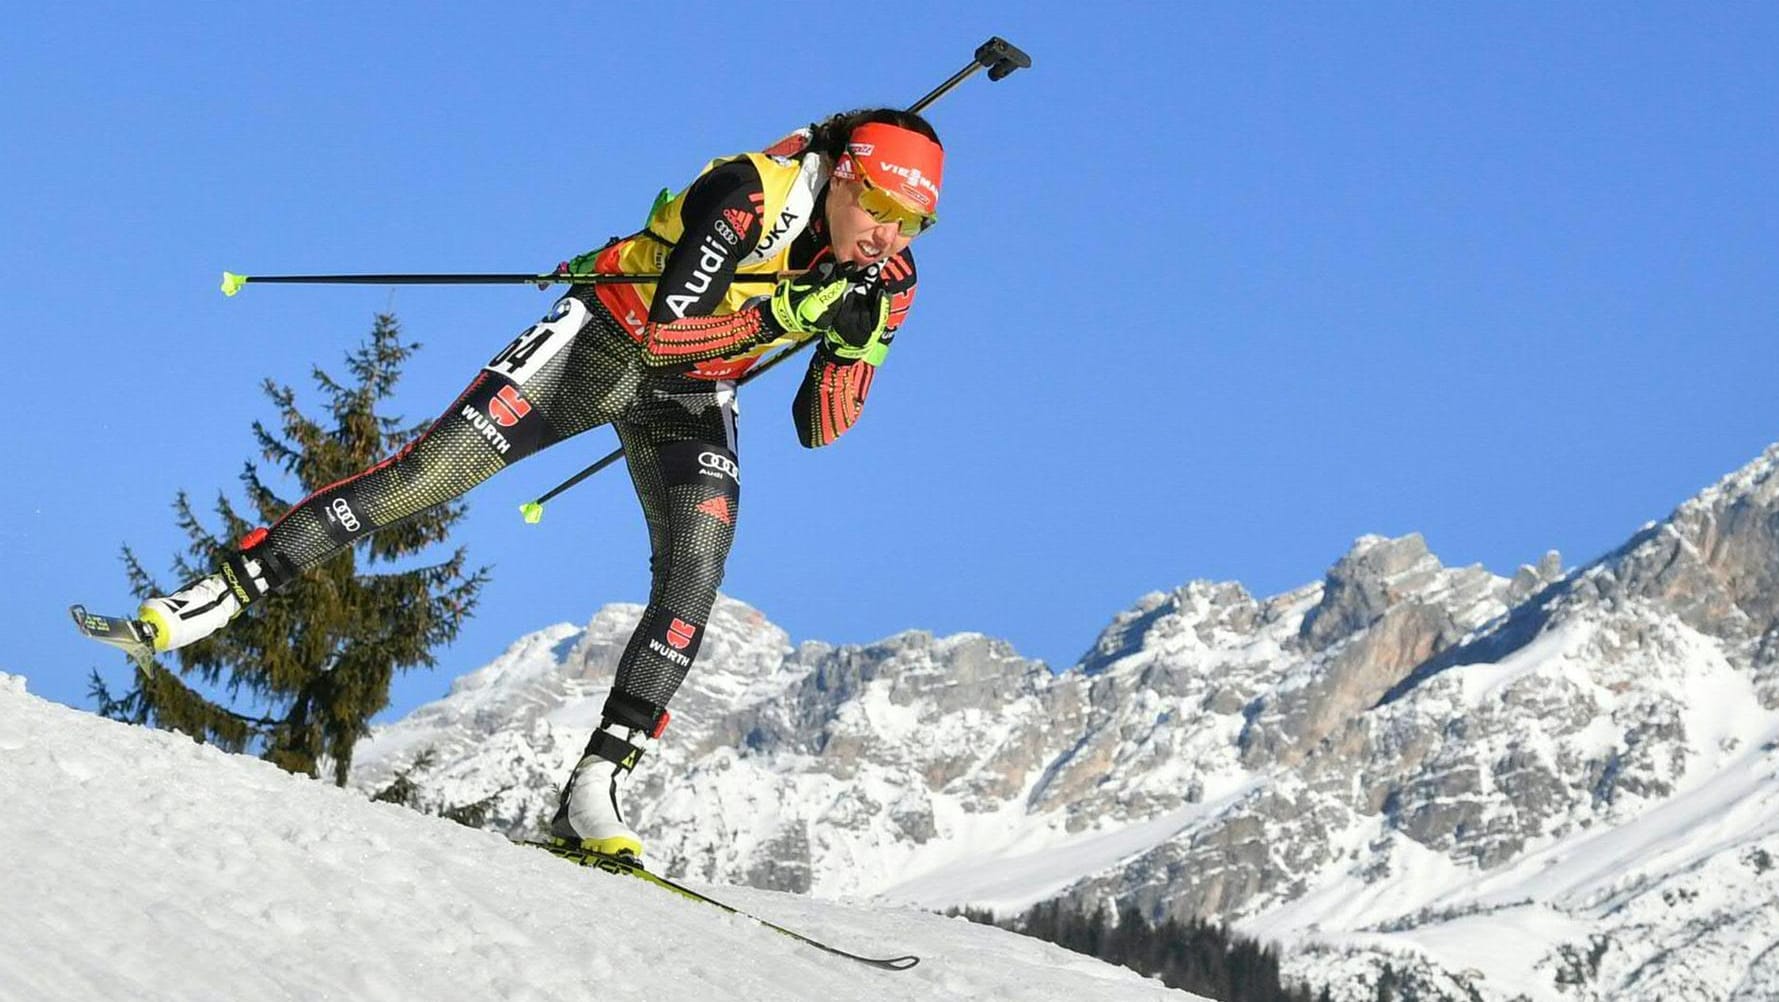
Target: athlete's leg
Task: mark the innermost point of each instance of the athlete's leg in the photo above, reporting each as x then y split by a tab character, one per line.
680	446
557	379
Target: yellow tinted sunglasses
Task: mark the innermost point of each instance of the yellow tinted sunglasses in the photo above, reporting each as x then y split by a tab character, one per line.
885	207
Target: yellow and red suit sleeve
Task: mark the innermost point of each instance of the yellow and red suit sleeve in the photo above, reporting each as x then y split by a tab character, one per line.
698	339
831	398
720	225
898	278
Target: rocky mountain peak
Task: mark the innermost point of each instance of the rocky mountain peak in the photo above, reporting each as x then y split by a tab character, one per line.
1375	574
1712	559
1532	578
1399	753
1199	610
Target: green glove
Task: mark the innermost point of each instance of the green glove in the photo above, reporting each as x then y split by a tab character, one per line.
582	264
802	304
850	313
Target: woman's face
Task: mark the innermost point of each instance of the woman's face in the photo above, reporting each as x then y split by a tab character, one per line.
856	237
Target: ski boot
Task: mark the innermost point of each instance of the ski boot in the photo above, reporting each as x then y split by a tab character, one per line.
588	818
207	605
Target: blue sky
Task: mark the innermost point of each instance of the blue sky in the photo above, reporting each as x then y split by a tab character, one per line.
1218	288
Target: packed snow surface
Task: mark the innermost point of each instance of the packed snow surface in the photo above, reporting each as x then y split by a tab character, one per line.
140	865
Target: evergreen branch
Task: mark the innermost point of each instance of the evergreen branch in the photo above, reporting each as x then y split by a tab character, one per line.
142	583
275	449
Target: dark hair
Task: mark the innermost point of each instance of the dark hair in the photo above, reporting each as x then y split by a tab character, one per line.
830	136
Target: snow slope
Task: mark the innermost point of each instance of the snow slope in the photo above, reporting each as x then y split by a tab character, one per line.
140	865
1555	787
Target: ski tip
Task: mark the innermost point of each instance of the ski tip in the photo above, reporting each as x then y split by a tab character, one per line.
231	283
532	511
125	635
900	963
88	624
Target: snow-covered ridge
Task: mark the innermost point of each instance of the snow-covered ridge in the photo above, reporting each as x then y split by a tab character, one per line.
139	865
1508	786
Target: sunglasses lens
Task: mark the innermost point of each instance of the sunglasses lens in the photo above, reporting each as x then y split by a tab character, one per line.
884	208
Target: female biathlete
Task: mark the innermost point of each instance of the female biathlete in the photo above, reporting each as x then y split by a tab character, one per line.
837	204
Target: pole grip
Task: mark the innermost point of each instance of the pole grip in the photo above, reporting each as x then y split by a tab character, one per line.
1001	57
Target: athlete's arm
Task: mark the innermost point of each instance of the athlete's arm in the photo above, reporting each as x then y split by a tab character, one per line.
721	227
833	392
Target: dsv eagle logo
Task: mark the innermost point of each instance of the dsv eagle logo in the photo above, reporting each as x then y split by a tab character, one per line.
723	464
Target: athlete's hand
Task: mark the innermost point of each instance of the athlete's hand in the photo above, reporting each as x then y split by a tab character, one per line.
803	303
580	264
845	307
858	322
561	272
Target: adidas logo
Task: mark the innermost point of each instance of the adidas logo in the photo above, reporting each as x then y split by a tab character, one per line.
740	219
718	508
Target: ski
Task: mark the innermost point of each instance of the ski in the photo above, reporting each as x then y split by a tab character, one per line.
128	635
625	866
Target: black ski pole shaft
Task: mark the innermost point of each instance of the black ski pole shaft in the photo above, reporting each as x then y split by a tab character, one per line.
232	283
1000	58
534	510
997	55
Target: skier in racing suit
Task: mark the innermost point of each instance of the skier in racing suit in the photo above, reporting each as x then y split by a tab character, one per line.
835	207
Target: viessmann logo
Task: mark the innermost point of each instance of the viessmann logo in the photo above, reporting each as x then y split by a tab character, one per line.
918	184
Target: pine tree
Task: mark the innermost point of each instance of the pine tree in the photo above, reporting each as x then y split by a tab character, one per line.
314	661
1198	956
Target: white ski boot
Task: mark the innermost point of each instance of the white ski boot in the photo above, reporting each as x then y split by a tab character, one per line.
588	817
200	609
191	614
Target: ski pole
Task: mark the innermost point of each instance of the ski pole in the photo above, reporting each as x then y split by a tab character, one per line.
232	283
533	511
997	55
1000	58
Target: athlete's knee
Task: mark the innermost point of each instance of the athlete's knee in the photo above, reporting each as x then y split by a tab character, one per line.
698	568
489	427
636	712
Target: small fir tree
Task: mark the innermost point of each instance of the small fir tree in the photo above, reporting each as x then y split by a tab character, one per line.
314	661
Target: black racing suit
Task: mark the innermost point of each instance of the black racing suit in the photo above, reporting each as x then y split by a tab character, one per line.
575	370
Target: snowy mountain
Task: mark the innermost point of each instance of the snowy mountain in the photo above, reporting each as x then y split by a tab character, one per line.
1551	786
139	865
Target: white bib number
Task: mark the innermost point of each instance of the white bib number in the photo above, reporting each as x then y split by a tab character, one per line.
540	342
